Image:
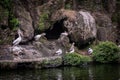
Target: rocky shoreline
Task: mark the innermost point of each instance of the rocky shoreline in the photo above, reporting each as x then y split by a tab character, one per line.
45	62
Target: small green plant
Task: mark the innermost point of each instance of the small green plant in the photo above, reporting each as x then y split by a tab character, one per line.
43	21
75	59
72	59
106	52
85	59
14	23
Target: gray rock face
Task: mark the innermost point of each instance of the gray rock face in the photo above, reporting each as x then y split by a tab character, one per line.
28	13
24	52
3	17
25	21
80	25
105	29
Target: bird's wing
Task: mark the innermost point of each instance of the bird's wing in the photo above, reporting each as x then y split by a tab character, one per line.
15	41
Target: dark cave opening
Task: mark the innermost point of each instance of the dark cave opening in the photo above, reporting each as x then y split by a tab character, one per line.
56	30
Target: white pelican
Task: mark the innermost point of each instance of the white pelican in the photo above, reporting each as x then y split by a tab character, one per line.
19	39
37	37
90	51
59	52
64	33
118	45
72	50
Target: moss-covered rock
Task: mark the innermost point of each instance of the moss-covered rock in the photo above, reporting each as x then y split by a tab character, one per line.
52	63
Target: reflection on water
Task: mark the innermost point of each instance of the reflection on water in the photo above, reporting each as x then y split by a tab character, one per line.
93	72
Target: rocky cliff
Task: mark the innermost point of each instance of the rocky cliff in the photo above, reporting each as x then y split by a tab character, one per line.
85	21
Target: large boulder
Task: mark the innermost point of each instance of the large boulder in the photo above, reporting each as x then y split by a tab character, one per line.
80	25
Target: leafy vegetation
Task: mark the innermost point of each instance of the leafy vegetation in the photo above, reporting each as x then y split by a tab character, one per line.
6	3
43	21
14	23
75	59
106	52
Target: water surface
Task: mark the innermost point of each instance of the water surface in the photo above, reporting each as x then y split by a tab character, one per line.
92	72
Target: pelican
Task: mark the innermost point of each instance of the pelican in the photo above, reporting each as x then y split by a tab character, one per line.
72	50
64	33
90	51
37	37
19	39
118	45
59	52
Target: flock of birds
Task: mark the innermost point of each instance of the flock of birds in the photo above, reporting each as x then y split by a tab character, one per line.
37	37
19	39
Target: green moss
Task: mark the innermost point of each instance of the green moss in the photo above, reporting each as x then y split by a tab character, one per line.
75	59
44	21
106	52
85	59
14	23
46	63
52	63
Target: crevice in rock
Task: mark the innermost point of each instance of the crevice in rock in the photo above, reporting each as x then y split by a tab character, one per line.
54	32
3	27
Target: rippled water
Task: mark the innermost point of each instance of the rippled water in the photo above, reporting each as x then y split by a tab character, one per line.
92	72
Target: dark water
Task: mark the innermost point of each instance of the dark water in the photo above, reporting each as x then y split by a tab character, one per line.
92	72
